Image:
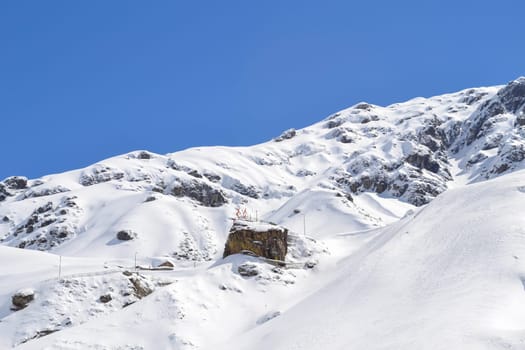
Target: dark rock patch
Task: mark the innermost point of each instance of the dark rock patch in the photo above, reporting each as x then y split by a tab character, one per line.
106	298
248	270
22	298
16	182
126	235
288	134
201	192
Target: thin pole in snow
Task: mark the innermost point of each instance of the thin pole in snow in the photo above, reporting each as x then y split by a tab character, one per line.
304	225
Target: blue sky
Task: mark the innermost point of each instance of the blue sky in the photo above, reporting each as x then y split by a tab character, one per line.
81	81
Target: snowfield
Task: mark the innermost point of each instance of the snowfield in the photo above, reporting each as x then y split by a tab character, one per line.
405	222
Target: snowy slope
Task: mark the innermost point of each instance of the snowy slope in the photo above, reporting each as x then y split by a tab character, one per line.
351	183
449	277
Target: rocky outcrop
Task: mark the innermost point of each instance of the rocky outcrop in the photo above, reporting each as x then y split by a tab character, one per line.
200	191
16	182
288	134
100	173
47	226
266	240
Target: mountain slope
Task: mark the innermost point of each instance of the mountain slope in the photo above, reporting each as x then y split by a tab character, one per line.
449	277
373	260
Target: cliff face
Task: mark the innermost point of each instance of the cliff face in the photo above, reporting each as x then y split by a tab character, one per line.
269	241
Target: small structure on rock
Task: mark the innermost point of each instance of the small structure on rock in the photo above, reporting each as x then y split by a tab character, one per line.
261	239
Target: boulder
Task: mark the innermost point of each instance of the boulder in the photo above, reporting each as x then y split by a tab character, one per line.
126	235
261	239
248	270
22	298
141	288
106	298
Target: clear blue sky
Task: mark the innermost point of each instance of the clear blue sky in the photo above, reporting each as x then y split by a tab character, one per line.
81	81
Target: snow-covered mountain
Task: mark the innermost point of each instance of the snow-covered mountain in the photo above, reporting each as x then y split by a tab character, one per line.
390	266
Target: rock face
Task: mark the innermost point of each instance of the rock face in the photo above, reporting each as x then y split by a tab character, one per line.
203	193
266	240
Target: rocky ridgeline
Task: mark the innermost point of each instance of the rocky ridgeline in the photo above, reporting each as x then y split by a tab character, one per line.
408	151
490	141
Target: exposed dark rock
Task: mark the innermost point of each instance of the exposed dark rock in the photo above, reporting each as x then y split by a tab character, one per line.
126	235
144	155
364	106
140	287
150	199
288	134
16	182
512	96
501	168
3	192
478	157
45	208
201	192
305	172
98	174
472	96
520	120
47	222
22	298
245	190
41	192
195	173
510	99
61	232
248	270
212	177
334	123
5	219
106	298
345	139
264	240
423	161
40	334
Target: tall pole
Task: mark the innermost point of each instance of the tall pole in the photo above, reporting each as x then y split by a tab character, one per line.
304	225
